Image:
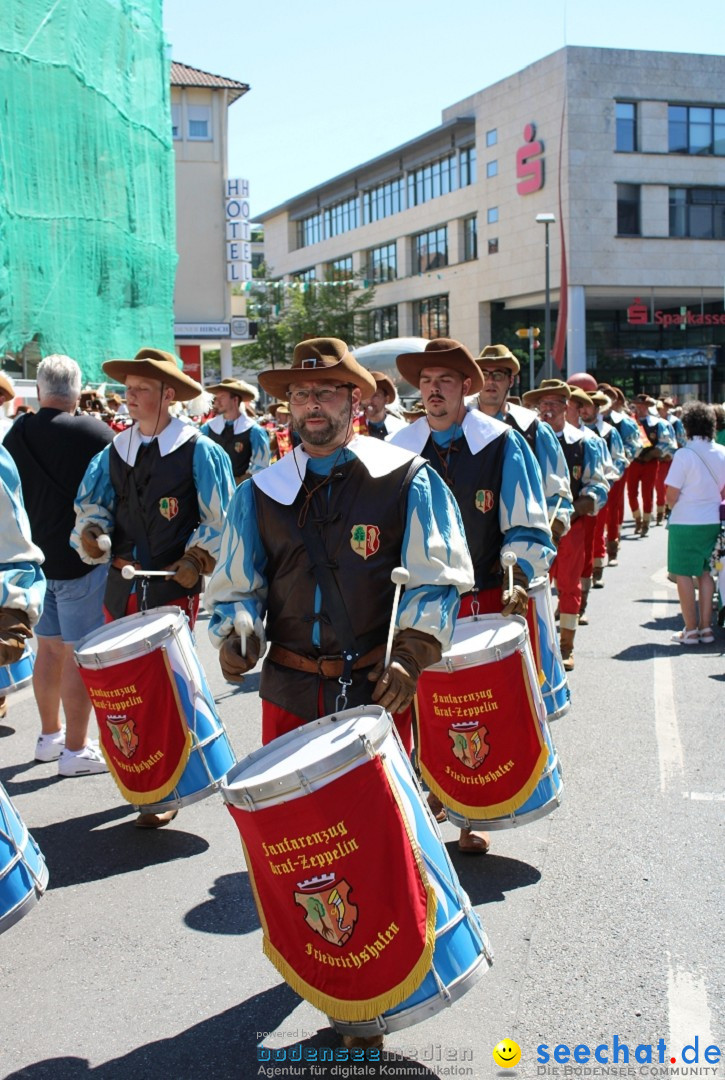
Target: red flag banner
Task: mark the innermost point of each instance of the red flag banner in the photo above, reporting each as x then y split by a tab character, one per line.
480	744
142	725
346	907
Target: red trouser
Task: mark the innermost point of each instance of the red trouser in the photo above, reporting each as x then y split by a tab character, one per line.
567	568
600	526
188	604
614	510
663	467
590	524
644	472
277	721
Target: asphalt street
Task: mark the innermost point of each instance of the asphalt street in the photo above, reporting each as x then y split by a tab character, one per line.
143	959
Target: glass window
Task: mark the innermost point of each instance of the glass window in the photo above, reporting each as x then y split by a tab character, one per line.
626	126
698	213
434	179
341	217
383	323
492	215
304	275
468	166
431	317
383	201
470	239
176	122
199	121
383	263
430	250
492	169
696	129
493	246
340	269
309	230
628	210
491	137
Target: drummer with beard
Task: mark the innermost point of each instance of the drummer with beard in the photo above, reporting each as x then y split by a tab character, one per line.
159	491
311	542
381	423
495	480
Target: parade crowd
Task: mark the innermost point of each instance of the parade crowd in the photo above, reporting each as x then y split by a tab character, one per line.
302	527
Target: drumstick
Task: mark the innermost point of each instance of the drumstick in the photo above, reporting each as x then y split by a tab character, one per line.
556	510
129	572
243	626
104	542
399	576
509	559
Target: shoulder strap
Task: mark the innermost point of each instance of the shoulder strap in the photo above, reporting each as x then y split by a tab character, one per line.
702	460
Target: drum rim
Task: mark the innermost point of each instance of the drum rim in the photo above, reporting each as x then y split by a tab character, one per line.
270	792
491	653
130	650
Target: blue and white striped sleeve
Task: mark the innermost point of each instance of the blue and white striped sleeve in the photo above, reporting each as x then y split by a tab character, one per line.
594	481
618	455
214	484
261	452
22	584
522	509
630	437
95	504
555	475
436	556
239	581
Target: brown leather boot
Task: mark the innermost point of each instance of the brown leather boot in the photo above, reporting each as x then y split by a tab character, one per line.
612	552
637	514
586	586
566	643
646	522
597	575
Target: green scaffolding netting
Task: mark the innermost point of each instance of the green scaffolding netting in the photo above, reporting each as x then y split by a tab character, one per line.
87	238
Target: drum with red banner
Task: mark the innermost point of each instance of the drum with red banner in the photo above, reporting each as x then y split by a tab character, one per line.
159	730
484	746
363	914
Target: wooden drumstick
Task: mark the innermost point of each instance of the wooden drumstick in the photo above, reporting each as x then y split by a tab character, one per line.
104	542
243	626
399	576
129	572
556	511
508	559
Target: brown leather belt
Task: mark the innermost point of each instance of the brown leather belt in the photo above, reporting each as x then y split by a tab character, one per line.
327	667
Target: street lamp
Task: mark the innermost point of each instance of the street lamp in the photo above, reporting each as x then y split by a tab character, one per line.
546	220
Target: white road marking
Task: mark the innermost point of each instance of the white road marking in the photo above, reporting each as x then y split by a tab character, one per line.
704	796
669	747
689	1011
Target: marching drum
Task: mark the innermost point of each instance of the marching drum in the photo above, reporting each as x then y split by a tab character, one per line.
15	676
348	867
545	645
159	729
484	745
23	873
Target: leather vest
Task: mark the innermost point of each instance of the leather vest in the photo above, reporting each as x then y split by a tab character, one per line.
361	521
157	510
574	454
238	447
475	483
529	434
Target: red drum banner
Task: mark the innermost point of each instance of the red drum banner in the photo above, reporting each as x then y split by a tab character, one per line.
345	903
480	744
143	731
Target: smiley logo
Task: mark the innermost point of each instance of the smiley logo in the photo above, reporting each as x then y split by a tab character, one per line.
507	1053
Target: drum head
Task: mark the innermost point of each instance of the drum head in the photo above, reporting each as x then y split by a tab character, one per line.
311	755
483	640
128	637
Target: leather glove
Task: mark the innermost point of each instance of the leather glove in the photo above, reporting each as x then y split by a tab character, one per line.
557	530
516	601
234	666
14	632
395	685
582	506
89	537
192	564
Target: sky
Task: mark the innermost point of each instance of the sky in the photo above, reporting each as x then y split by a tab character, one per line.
334	83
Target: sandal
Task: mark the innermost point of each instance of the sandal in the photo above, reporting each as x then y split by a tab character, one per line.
706	635
687	637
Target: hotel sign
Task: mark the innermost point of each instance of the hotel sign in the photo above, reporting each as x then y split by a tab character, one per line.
239	239
201	330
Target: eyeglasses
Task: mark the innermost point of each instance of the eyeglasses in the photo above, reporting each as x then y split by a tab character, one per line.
497	376
325	393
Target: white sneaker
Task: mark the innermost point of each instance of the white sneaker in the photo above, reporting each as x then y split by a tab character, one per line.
82	762
48	747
